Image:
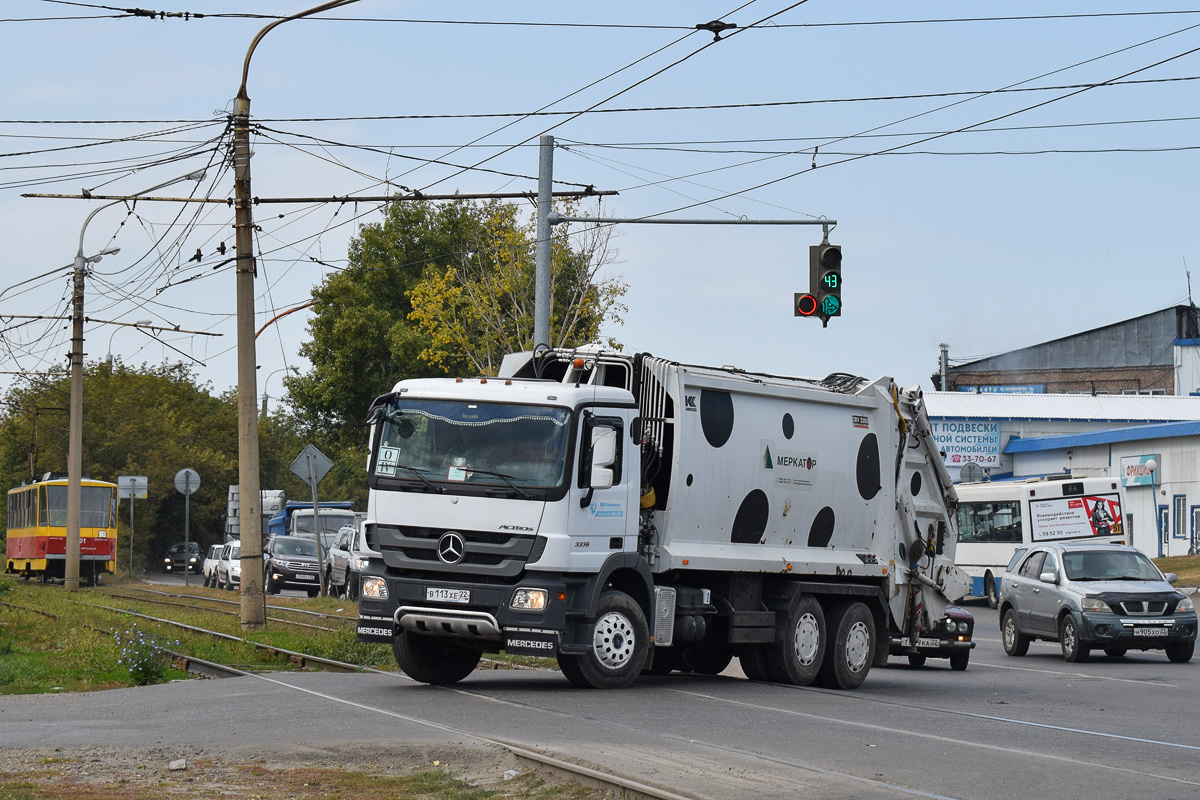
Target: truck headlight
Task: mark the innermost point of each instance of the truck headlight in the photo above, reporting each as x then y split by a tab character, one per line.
528	599
1185	606
1094	604
374	588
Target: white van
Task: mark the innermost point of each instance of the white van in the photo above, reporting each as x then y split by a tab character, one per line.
995	519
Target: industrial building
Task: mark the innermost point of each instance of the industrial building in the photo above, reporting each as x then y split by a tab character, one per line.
1154	354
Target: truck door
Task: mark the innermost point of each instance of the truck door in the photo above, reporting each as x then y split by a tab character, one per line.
600	518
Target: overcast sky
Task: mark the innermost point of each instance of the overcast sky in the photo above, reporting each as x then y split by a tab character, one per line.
987	193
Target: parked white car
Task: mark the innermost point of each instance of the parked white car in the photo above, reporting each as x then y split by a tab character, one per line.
345	561
210	564
229	567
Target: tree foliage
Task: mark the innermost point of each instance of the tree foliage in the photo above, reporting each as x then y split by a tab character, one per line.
147	421
481	307
154	421
437	289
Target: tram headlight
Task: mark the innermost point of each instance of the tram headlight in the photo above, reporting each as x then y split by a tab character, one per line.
374	588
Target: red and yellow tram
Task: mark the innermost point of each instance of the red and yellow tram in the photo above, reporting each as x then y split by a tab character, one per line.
36	546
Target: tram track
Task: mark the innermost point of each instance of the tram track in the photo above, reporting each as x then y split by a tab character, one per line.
192	607
626	785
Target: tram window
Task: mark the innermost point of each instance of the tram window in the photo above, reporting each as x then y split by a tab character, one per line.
42	505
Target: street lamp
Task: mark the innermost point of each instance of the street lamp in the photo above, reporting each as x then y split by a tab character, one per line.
253	605
75	441
265	396
108	358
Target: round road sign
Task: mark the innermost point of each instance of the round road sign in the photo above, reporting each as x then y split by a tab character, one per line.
187	481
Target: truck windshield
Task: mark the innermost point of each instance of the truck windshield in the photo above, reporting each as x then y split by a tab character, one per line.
480	443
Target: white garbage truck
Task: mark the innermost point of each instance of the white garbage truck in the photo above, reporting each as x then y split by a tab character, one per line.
628	514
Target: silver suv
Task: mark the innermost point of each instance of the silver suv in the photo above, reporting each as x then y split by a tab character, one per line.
345	560
1087	595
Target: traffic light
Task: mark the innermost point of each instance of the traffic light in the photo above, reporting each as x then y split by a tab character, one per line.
825	279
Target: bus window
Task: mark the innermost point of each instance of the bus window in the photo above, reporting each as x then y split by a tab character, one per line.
984	523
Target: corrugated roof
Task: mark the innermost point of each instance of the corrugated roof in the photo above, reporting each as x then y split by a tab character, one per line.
1164	431
1101	408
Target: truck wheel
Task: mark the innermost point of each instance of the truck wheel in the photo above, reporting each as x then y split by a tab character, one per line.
1015	642
434	659
753	658
1073	650
799	647
958	661
851	647
620	642
989	590
707	662
1181	652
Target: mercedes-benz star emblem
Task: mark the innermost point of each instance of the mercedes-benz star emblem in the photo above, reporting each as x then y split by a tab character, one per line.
451	547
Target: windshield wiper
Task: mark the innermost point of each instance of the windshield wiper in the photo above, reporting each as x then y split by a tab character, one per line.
420	473
506	478
1131	578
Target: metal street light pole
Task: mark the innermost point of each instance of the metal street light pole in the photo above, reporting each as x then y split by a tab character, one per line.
253	609
75	433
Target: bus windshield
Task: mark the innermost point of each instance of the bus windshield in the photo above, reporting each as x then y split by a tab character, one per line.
95	510
480	443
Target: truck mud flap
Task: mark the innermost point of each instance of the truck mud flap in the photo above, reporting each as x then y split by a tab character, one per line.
376	629
531	643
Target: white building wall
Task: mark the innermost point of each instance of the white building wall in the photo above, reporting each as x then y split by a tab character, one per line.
1177	486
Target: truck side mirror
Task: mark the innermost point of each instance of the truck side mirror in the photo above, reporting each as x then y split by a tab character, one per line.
604	453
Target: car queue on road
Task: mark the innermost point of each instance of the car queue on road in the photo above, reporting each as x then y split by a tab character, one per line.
293	562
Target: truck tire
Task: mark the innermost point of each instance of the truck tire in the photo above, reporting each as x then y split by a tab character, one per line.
434	659
799	648
620	643
753	658
705	661
851	647
1015	643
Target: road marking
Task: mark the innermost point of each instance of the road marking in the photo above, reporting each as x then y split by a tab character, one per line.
1074	674
910	733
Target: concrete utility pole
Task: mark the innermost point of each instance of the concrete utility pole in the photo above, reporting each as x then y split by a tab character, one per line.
541	275
75	426
253	608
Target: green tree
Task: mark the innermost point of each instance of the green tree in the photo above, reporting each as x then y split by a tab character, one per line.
150	421
444	257
482	306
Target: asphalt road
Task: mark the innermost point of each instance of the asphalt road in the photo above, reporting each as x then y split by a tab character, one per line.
1007	727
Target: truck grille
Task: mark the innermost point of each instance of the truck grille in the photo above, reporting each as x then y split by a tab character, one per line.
486	553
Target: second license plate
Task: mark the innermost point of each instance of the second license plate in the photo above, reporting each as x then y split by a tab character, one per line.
448	595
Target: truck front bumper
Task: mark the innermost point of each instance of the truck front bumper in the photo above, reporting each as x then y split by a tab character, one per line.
477	612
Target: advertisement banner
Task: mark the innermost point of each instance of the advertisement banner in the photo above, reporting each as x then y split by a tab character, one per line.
1075	517
1134	471
968	442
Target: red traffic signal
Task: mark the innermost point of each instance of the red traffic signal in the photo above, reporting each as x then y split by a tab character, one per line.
805	304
